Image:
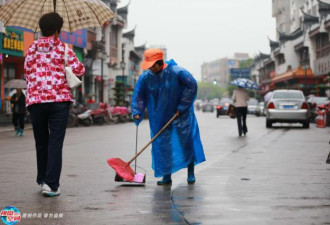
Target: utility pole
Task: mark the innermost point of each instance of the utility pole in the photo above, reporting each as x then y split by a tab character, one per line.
123	66
305	67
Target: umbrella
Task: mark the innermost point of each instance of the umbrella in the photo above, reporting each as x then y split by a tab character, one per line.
77	14
268	96
245	83
15	83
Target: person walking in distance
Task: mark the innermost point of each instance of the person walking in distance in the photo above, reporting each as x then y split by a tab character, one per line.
48	99
18	108
240	98
166	89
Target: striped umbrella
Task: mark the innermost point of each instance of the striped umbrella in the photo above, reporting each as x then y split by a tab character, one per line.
77	14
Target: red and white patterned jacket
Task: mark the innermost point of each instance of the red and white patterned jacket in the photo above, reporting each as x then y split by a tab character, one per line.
45	74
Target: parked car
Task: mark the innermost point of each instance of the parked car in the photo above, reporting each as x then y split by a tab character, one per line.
223	106
198	104
260	109
207	107
288	106
252	105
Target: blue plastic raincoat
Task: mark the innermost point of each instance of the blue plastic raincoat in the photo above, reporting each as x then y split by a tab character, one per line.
171	90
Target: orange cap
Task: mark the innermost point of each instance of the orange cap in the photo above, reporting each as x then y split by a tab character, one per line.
151	56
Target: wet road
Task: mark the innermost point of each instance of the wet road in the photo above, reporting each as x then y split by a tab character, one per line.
271	176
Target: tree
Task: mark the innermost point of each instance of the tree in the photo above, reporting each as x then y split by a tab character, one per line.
242	64
119	94
245	63
209	91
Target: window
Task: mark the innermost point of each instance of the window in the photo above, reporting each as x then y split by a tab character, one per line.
322	45
288	95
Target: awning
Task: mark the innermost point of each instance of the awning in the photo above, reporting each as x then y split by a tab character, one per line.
297	73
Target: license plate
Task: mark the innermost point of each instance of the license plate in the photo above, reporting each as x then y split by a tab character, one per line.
288	107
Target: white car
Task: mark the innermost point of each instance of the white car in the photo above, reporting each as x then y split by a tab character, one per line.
260	109
287	106
252	105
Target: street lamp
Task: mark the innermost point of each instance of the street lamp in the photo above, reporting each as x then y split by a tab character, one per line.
123	66
102	55
305	67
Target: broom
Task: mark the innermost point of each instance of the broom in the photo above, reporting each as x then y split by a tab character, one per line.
123	168
328	159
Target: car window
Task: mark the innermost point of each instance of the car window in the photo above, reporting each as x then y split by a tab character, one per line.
252	102
288	95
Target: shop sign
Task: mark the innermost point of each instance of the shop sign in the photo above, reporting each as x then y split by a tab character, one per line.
77	38
12	42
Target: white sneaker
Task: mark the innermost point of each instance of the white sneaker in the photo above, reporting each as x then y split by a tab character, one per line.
48	192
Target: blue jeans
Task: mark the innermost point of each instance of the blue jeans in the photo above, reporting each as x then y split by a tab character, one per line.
49	122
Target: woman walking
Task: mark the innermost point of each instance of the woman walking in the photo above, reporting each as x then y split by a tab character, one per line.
48	99
240	98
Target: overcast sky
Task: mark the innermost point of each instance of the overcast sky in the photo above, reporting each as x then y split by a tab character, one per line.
197	31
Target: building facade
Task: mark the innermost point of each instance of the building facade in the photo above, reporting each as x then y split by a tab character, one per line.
299	57
217	72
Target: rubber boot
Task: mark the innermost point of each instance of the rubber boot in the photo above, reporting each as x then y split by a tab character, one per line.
21	132
191	175
166	180
17	131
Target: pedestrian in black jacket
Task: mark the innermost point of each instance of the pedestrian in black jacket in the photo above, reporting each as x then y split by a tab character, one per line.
18	108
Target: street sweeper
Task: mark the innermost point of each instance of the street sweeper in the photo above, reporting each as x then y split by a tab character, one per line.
166	89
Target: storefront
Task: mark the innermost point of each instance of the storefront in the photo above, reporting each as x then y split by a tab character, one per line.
77	41
299	79
13	47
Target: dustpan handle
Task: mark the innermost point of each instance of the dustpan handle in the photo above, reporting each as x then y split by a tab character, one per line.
159	132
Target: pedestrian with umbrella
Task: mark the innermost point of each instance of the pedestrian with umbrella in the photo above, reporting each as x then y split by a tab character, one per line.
240	98
48	99
18	107
166	89
17	103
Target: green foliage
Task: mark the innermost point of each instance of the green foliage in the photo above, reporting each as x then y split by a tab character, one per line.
209	91
119	93
246	63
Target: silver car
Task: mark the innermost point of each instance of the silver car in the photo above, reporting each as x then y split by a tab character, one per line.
287	106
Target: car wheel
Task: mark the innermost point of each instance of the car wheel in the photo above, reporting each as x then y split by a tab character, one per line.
268	124
306	124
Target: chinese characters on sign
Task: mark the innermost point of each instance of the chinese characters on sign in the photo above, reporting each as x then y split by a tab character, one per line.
12	42
77	38
239	73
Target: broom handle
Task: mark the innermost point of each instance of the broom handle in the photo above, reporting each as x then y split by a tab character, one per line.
159	132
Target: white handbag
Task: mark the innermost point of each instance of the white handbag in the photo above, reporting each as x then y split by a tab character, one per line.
72	80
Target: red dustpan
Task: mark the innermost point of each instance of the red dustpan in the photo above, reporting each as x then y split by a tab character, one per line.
123	168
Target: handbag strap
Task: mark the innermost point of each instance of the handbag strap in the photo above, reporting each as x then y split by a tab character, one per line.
66	54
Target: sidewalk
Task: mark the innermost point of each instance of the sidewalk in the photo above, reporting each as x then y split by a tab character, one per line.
10	128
